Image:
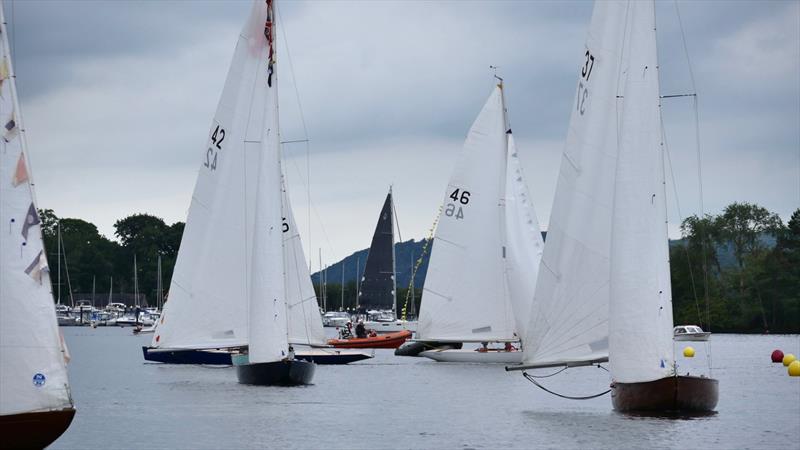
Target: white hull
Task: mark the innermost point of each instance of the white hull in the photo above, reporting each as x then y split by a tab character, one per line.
702	337
391	327
474	356
336	322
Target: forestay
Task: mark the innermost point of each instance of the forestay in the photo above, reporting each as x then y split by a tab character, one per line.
305	322
465	297
640	341
33	373
569	316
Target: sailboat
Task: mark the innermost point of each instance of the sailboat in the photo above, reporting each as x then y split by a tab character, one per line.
486	248
606	293
35	402
377	293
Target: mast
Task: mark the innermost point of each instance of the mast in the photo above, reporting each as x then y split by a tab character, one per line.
135	283
342	289
93	287
358	279
394	262
58	255
159	287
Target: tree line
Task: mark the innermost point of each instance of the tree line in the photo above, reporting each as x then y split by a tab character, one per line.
735	271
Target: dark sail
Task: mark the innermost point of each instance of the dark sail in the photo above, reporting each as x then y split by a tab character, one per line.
377	284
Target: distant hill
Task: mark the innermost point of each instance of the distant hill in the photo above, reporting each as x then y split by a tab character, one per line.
406	254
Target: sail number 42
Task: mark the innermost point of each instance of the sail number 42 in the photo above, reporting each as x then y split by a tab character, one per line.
216	145
452	209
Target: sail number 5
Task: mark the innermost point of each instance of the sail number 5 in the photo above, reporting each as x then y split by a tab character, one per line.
583	91
453	210
216	145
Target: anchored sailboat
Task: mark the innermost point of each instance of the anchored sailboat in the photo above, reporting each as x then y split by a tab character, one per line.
486	248
605	294
35	402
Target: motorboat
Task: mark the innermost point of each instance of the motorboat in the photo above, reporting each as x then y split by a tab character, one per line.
690	333
335	319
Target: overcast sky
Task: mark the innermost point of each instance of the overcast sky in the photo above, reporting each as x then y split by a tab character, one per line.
117	98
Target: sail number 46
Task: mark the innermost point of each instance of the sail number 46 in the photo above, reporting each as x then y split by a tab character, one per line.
216	145
453	210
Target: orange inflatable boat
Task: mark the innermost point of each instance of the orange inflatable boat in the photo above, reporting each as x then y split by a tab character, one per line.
388	340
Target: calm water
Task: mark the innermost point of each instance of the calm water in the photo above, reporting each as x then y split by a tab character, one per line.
395	402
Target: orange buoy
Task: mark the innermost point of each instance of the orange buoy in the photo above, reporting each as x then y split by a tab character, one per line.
777	356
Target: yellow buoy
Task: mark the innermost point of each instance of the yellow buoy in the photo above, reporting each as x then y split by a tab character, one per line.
788	359
688	352
794	368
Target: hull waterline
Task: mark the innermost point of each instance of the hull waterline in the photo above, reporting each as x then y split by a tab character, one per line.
34	430
681	394
335	357
210	357
290	372
474	356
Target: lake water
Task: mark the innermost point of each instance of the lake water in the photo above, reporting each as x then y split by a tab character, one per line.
401	402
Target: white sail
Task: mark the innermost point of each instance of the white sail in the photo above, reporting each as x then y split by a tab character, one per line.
33	373
305	322
465	297
523	240
569	316
640	341
206	306
268	333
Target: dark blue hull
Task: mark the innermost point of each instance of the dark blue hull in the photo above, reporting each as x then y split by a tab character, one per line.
332	358
211	357
279	373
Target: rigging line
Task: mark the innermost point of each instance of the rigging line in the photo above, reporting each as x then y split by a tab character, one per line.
680	217
532	379
428	242
303	122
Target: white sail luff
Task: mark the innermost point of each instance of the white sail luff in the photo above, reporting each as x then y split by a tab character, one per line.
569	316
465	296
641	306
524	243
305	322
33	370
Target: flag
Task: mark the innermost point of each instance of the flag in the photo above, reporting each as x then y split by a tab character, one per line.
38	266
21	173
11	129
31	219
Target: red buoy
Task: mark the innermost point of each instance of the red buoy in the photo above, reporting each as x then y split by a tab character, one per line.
777	356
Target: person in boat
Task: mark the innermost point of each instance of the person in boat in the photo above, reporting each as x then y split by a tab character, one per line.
361	330
346	332
484	347
510	348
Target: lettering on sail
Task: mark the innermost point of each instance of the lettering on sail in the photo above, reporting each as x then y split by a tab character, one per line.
452	209
583	83
269	33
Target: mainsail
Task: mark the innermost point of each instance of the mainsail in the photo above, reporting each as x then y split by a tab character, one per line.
568	323
640	341
378	290
33	372
466	295
228	288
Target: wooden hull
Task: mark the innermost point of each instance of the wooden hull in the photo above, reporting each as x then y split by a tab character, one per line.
331	357
474	356
279	373
211	357
682	394
34	430
389	340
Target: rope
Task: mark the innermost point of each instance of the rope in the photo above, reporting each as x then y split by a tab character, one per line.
532	379
419	262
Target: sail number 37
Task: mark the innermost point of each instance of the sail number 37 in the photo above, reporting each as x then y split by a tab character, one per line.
583	91
456	210
216	145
